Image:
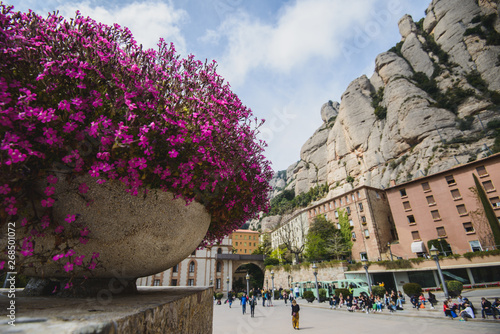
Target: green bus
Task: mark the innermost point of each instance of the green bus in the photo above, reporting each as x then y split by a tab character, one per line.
357	286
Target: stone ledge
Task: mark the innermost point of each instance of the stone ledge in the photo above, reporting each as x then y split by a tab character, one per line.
151	310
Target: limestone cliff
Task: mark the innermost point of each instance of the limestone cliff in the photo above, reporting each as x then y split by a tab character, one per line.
425	109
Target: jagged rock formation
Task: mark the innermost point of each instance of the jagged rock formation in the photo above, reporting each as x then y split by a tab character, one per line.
425	108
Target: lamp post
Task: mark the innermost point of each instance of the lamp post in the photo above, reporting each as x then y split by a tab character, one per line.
227	281
248	283
434	253
272	281
315	272
365	266
390	250
211	281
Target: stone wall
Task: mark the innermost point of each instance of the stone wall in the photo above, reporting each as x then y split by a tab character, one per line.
152	310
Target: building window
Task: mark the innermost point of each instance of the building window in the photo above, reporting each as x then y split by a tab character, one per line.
217	283
461	209
360	205
156	282
330	205
367	233
425	186
190	282
175	268
348	209
430	200
219	250
353	198
481	171
468	227
191	267
363	256
351	222
341	203
495	201
407	205
353	234
475	245
415	235
363	219
338	226
488	186
245	250
455	193
403	192
411	219
245	244
173	282
236	243
219	266
435	214
450	180
377	195
336	214
358	194
347	199
441	232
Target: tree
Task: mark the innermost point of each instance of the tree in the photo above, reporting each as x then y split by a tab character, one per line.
324	241
264	247
293	235
345	228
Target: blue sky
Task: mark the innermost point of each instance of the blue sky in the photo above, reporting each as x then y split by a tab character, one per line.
284	59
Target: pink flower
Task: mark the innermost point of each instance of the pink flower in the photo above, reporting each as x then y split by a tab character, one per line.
173	154
11	210
59	229
49	190
52	179
2	264
95	255
78	260
92	265
84	232
70	218
69	284
84	241
64	105
83	188
48	202
70	253
68	267
5	189
57	257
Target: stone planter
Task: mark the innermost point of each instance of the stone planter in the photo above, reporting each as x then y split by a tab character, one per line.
135	235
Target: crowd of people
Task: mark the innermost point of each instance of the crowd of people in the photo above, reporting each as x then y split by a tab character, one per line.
462	308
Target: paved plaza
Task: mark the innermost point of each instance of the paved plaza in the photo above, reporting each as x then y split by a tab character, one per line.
319	318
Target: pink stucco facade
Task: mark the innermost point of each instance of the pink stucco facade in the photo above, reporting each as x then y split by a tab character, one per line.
445	205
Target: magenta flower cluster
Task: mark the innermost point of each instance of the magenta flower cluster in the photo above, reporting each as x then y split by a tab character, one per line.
84	97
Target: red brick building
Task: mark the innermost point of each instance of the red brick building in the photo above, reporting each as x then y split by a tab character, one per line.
446	205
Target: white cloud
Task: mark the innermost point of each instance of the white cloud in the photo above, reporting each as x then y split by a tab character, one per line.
303	30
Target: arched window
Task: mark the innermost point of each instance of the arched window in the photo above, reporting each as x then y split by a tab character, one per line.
219	250
219	266
191	267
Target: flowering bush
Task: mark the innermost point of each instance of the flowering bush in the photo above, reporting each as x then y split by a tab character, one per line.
81	97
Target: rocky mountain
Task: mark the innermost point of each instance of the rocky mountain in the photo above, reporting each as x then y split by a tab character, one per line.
433	102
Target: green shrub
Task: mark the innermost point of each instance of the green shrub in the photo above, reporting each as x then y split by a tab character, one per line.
218	295
309	296
411	289
454	288
378	290
276	294
322	295
239	295
344	292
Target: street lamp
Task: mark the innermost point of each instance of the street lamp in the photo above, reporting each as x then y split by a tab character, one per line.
365	266
227	281
272	278
211	281
315	272
434	253
390	250
248	283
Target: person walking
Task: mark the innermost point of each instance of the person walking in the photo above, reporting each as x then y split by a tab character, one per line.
244	303
295	314
230	299
253	302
